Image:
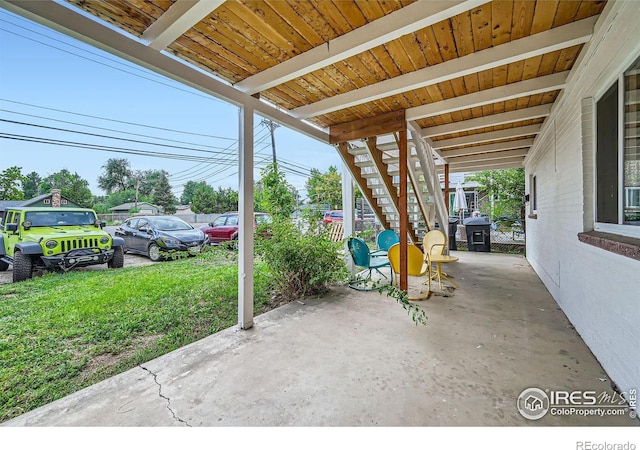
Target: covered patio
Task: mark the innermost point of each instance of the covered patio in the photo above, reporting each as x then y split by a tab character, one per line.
406	91
356	359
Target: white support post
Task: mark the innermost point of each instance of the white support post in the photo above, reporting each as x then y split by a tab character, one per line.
348	200
245	222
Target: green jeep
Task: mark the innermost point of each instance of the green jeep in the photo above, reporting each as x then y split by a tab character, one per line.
55	239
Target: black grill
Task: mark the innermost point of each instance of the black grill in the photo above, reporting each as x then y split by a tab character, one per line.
72	244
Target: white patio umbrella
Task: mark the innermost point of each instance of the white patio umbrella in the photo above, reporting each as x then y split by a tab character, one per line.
459	200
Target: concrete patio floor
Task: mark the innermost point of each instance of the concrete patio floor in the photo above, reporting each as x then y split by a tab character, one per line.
356	359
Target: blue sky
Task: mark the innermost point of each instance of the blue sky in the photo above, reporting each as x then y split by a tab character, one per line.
55	88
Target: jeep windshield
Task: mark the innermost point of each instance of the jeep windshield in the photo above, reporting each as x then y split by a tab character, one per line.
60	218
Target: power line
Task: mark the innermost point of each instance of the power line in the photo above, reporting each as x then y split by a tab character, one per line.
41	140
66	130
111	129
116	121
173	86
202	172
184	174
215	171
287	166
69	44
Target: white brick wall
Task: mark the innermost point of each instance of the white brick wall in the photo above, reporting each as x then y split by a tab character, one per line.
599	291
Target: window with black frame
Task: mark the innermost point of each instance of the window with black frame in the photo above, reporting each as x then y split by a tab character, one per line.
631	164
618	151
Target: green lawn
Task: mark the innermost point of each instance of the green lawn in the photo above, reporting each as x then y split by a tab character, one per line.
61	333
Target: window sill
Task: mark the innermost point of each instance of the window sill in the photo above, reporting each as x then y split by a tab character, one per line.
621	245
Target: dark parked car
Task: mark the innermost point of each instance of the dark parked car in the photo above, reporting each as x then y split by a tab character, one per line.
154	235
225	227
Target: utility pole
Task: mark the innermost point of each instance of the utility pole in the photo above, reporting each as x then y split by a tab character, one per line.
138	178
272	126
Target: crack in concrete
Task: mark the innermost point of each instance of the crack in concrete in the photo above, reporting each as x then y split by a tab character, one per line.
155	380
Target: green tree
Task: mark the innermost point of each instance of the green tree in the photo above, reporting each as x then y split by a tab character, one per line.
71	185
30	185
226	200
277	197
162	195
11	184
189	189
149	180
325	188
506	188
116	176
206	200
203	200
100	205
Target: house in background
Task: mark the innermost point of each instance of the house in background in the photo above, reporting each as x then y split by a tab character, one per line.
53	199
184	209
472	190
142	207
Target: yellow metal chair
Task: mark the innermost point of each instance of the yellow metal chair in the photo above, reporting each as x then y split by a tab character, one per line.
434	244
416	266
438	273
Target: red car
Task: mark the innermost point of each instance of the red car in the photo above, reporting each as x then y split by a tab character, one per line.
225	227
336	214
330	216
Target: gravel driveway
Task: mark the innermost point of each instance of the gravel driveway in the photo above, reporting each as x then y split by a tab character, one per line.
129	261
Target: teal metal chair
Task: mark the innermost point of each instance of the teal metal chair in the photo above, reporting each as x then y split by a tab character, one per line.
362	258
384	241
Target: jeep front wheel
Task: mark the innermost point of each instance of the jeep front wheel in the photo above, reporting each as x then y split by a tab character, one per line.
22	267
3	266
117	261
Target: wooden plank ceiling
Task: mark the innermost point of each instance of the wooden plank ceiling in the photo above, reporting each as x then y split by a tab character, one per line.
469	73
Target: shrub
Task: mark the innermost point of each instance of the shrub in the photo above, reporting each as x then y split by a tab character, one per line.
300	263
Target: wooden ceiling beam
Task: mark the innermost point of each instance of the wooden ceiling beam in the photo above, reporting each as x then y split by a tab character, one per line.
533	86
508	133
497	147
365	128
575	33
177	20
471	167
493	120
413	17
490	156
509	160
